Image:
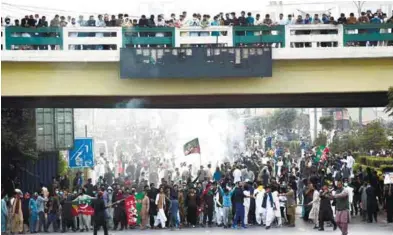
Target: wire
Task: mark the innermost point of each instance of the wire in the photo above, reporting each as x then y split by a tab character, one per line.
26	7
52	10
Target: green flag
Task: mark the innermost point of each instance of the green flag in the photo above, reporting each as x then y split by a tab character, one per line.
192	147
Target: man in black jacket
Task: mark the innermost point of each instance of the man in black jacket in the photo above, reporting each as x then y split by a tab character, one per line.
67	216
99	214
152	194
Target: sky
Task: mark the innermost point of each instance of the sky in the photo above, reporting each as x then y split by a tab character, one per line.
18	8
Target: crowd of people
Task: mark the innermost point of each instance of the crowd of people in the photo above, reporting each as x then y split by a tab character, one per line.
264	189
196	20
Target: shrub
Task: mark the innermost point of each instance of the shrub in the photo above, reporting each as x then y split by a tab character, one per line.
386	168
378	161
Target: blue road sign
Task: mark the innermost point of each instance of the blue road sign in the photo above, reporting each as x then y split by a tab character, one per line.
82	155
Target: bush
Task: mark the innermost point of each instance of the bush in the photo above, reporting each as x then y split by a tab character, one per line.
364	167
378	161
362	160
386	168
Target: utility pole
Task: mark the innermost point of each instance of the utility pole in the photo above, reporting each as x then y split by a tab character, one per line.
315	123
361	116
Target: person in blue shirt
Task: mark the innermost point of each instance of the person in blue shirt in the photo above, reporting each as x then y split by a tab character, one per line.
33	213
250	22
226	195
217	176
4	214
215	22
238	198
374	20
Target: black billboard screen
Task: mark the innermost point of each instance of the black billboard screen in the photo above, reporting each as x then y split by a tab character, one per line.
196	62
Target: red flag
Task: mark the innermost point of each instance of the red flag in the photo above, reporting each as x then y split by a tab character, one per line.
131	210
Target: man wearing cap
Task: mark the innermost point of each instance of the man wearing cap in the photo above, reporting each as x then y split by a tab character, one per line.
16	213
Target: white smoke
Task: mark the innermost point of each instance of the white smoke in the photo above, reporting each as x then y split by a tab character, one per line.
218	130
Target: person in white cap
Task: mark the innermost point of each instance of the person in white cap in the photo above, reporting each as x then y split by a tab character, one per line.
16	213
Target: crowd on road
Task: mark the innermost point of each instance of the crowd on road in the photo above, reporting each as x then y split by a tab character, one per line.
196	20
263	188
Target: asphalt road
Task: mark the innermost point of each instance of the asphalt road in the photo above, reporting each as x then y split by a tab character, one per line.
356	227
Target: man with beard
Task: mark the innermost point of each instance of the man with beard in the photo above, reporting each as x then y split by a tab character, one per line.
152	194
325	209
120	212
342	207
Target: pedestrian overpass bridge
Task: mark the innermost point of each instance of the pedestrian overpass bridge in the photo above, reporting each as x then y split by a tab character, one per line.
306	70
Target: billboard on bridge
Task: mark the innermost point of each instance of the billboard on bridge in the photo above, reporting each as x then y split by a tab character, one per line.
195	62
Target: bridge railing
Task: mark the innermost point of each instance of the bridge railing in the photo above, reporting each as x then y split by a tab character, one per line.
91	38
144	36
261	34
114	38
314	35
198	36
377	34
33	38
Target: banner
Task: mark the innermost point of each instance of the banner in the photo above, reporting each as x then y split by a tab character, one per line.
192	147
131	210
82	207
388	178
196	62
139	197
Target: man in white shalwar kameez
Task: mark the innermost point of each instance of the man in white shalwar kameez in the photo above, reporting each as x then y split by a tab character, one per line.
314	213
277	212
160	202
219	210
246	204
269	206
258	195
279	164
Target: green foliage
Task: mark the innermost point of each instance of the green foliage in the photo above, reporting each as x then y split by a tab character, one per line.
386	168
346	142
18	134
294	148
389	107
62	165
321	139
283	119
327	122
373	137
256	124
378	161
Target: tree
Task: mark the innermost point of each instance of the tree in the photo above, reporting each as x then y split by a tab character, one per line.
327	123
389	107
283	119
373	137
321	139
18	135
